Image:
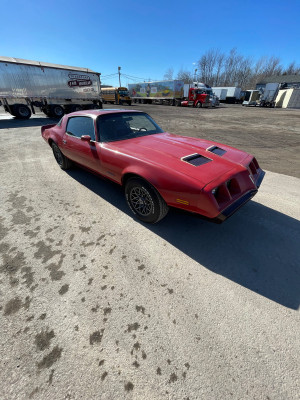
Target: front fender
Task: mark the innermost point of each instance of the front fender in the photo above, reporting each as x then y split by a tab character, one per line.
170	185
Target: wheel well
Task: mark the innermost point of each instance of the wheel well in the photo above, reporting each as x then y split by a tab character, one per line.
130	175
50	141
127	176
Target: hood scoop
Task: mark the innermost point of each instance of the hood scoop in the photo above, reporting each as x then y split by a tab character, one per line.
196	159
217	150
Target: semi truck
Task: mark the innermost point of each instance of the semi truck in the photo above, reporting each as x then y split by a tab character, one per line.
116	95
54	89
171	92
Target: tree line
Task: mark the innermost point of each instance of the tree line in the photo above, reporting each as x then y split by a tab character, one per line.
216	68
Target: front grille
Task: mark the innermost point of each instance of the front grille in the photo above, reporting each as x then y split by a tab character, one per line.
196	160
217	150
227	190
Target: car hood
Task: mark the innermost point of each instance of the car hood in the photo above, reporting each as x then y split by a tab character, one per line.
169	151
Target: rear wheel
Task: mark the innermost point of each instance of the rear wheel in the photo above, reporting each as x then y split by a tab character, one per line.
57	111
61	160
21	111
144	201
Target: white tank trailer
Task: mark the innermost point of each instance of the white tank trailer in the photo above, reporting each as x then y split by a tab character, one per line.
54	89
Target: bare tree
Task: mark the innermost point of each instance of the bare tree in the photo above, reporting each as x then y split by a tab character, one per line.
292	69
218	69
210	65
185	76
169	74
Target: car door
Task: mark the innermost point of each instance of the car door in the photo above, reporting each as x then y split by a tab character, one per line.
76	148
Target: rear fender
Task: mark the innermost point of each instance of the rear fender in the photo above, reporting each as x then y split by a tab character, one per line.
43	128
47	132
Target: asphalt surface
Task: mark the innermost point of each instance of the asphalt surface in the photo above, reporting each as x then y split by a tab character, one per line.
96	305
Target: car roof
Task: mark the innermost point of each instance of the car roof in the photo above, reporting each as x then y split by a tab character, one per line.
95	113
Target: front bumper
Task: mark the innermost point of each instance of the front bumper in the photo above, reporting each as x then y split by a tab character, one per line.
227	212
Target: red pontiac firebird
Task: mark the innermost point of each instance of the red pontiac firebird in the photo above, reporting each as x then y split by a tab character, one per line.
157	169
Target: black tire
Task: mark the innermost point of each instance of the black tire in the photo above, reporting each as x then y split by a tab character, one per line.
199	104
144	201
21	111
61	160
57	111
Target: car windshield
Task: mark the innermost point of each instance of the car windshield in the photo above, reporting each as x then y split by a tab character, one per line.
126	125
123	92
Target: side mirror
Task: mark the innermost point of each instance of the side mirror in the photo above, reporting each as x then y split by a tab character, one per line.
86	138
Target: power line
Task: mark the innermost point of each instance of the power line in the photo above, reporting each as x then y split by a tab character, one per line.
106	76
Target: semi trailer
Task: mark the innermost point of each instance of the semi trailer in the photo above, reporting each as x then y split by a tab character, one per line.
54	89
251	98
228	94
172	92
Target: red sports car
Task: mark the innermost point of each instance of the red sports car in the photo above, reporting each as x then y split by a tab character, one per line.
157	169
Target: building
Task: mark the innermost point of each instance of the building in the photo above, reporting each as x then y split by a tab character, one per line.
290	81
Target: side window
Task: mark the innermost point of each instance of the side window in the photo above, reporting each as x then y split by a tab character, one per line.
78	126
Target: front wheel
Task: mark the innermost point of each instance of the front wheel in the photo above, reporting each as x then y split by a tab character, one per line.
144	201
61	160
199	104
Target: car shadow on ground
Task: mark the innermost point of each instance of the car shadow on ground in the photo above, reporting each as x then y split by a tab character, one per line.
21	123
257	247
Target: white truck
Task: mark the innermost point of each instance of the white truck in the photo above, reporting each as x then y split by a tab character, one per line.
54	89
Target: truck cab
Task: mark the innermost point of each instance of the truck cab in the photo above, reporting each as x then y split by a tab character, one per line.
196	97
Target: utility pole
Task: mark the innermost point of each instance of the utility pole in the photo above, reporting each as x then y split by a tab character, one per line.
119	69
195	74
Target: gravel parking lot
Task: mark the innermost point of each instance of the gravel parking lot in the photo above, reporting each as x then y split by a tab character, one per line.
96	305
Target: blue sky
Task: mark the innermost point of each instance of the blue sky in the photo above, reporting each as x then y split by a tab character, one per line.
147	37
